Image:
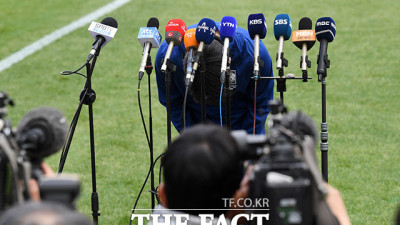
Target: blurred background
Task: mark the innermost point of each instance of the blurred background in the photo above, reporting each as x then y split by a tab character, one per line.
362	92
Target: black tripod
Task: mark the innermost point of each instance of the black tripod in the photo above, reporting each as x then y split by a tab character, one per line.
87	97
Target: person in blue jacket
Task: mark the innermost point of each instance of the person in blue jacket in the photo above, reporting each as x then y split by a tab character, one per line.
242	101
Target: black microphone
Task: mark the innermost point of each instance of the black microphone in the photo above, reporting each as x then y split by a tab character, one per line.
149	37
257	30
102	32
42	132
325	30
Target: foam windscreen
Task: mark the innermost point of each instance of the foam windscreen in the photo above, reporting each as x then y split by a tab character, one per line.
325	28
205	30
282	26
256	25
228	28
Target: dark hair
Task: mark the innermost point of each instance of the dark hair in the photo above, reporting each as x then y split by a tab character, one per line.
212	56
201	167
36	213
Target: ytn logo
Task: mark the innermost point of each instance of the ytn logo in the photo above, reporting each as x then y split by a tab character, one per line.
255	22
228	24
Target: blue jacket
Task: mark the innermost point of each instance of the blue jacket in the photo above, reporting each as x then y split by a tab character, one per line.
242	102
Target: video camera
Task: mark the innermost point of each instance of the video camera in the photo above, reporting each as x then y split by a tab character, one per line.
285	167
40	133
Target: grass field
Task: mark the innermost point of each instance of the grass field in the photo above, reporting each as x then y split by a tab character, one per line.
362	92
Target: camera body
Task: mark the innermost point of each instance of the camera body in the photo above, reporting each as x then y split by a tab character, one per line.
285	170
40	133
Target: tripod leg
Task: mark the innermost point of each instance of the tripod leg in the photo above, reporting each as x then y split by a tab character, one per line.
95	198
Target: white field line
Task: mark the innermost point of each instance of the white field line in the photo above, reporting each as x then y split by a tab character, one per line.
50	38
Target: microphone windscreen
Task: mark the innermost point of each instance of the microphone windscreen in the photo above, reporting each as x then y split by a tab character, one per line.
301	124
325	28
190	39
109	21
175	31
305	24
282	26
153	22
228	28
257	25
44	129
205	30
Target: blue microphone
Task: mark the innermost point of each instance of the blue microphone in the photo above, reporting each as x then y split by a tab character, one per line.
205	33
227	31
149	38
282	32
257	30
325	30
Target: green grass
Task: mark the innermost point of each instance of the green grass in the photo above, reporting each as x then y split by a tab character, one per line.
362	94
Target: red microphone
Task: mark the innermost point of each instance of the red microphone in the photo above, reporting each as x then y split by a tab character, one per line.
174	33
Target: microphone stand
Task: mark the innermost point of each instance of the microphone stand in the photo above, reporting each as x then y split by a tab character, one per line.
324	125
170	68
149	69
199	59
281	82
227	98
87	97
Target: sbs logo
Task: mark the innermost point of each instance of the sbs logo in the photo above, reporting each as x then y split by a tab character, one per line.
281	21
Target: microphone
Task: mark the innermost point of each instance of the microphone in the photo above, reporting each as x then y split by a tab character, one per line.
304	39
102	33
257	29
282	32
174	33
41	132
325	30
149	37
227	31
191	45
205	33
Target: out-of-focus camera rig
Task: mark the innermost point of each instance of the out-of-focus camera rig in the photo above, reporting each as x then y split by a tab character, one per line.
285	167
40	133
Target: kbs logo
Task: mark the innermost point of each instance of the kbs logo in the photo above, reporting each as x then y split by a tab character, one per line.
255	22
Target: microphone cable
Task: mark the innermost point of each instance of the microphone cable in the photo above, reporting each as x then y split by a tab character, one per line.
141	115
144	184
184	107
255	106
220	103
